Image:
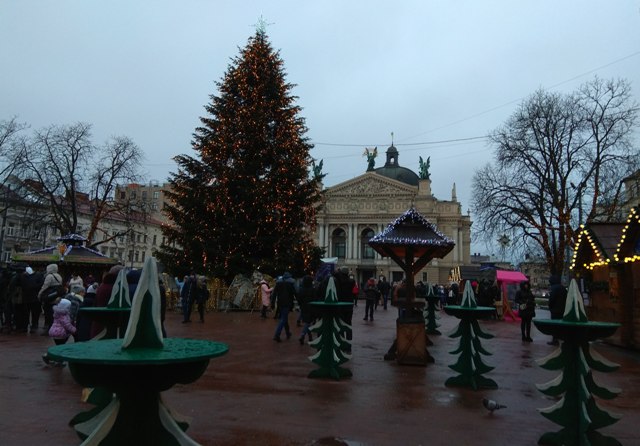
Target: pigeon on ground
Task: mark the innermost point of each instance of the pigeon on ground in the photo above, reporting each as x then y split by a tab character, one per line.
492	405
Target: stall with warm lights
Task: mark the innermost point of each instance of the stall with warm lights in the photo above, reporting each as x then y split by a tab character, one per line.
606	263
71	255
412	242
627	258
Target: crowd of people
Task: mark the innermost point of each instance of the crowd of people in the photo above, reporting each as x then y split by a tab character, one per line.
33	301
287	292
27	294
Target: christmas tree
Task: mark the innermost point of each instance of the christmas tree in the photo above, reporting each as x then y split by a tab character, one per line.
429	312
247	200
470	365
577	410
330	343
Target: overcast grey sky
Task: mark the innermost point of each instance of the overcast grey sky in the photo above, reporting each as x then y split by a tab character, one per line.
426	70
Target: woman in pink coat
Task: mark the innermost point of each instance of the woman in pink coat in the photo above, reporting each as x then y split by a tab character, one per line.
265	293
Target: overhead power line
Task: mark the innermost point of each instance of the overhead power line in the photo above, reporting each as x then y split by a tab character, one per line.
403	144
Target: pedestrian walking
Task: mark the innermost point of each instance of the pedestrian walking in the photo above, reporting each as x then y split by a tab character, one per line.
284	294
202	295
52	280
384	287
265	296
371	295
306	294
188	296
31	283
526	309
61	327
557	301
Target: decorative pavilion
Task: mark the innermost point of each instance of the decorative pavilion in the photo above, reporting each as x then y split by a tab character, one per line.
412	242
72	255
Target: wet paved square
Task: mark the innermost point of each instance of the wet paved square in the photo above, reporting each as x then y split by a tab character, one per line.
259	393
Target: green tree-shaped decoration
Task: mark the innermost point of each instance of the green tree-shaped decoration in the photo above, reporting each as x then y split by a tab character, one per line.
250	183
470	365
330	343
577	411
430	316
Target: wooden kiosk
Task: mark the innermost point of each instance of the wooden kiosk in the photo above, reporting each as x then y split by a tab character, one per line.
606	265
411	241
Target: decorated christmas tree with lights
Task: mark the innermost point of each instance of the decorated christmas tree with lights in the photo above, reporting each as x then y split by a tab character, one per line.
576	410
330	342
247	200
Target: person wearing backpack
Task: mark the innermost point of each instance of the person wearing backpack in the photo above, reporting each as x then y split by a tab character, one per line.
51	279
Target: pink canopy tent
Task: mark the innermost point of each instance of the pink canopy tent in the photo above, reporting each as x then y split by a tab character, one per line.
510	276
503	278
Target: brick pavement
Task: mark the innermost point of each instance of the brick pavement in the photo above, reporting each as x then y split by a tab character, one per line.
259	392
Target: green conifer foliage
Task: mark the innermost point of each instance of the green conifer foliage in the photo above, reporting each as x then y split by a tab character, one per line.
470	365
576	410
430	316
246	201
330	342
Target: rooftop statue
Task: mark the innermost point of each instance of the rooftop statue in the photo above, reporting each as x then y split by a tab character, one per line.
424	169
371	156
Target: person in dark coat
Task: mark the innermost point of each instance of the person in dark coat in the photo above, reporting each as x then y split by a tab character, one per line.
344	290
202	295
163	306
133	277
284	294
103	294
31	283
371	295
306	295
557	301
526	309
188	296
384	287
83	326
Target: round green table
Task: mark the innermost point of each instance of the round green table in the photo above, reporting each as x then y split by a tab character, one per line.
137	415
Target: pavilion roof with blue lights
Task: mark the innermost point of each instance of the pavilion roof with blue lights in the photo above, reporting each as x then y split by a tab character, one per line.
414	230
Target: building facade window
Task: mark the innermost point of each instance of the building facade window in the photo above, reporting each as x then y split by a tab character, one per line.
367	251
339	243
156	194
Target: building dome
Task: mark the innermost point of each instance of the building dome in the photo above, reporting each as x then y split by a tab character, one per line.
393	170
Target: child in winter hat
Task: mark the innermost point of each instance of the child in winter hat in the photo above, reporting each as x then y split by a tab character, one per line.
62	326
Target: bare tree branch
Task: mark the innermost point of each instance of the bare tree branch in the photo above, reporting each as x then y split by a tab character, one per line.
556	156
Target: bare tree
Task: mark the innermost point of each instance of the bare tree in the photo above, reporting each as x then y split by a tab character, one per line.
557	156
10	131
61	162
